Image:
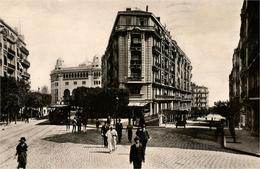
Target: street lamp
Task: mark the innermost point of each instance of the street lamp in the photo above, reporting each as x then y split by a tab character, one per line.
117	102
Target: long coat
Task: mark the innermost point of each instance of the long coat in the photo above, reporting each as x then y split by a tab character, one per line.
21	150
136	153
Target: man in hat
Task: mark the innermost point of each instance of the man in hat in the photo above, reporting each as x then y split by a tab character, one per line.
137	154
21	151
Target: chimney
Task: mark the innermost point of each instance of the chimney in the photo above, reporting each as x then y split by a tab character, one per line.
158	18
128	9
146	8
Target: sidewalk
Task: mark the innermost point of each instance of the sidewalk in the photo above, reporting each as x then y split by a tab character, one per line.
245	143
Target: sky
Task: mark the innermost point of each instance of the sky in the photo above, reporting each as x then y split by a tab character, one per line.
76	30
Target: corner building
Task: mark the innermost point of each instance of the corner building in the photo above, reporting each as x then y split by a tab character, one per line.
65	79
244	79
13	53
200	95
142	57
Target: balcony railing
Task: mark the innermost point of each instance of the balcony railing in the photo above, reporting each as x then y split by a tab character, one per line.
156	49
11	53
25	63
135	78
11	66
136	48
24	50
25	74
157	80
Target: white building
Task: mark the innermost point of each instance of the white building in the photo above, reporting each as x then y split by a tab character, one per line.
65	79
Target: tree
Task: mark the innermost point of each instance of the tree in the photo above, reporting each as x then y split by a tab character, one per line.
13	96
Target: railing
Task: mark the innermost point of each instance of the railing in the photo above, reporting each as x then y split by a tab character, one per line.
26	63
24	50
26	74
11	65
11	51
157	80
135	48
135	78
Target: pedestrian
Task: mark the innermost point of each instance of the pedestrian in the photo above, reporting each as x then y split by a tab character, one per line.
97	123
103	133
21	151
85	123
74	125
109	139
67	123
79	121
108	120
137	155
119	128
114	135
129	130
144	136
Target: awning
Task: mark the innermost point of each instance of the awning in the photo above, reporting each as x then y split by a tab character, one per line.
137	104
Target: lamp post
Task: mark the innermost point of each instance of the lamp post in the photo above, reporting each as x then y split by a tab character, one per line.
117	102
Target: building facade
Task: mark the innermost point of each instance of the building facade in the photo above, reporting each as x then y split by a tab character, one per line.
65	79
13	53
200	96
244	77
142	57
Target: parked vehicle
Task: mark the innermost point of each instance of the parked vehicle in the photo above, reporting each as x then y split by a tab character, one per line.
59	114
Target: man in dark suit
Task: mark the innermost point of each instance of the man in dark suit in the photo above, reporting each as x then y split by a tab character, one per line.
137	154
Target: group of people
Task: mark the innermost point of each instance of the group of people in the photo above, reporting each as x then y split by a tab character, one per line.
110	136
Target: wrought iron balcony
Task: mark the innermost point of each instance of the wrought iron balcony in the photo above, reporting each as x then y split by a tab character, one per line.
136	48
26	63
24	50
156	49
135	78
25	74
10	67
11	53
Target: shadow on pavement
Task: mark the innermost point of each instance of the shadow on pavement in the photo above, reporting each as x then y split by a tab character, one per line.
184	138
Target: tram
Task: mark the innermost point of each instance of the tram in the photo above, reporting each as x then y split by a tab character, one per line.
59	114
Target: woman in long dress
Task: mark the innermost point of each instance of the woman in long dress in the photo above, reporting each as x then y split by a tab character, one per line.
111	139
21	151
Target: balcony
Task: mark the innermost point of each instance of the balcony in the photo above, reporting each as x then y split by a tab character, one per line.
11	53
132	95
135	78
164	97
157	80
156	49
25	74
25	63
10	68
135	48
24	50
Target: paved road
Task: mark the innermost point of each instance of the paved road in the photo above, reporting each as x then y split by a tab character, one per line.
51	146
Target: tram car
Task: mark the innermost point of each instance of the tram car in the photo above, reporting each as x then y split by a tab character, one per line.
59	114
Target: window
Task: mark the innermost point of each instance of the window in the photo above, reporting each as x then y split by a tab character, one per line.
75	82
56	84
83	82
66	83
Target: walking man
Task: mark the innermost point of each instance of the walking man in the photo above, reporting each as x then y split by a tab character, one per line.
137	154
144	136
129	130
104	130
74	125
119	128
21	151
111	136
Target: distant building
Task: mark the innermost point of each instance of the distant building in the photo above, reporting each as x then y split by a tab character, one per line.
143	57
13	53
65	79
200	96
244	81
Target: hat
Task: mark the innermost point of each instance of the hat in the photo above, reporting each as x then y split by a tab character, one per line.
22	138
136	138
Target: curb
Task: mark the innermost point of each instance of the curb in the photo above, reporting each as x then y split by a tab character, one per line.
242	152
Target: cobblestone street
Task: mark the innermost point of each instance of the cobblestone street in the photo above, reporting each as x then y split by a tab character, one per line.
51	146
